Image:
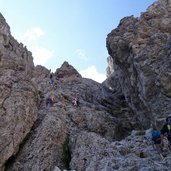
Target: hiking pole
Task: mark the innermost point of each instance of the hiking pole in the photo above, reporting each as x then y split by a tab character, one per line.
158	149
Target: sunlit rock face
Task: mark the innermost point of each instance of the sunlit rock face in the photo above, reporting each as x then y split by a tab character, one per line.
141	53
18	97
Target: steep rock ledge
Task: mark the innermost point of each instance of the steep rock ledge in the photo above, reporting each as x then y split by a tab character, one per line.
18	97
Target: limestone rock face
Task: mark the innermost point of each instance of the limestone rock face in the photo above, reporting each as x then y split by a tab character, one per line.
92	152
48	144
110	68
4	30
18	96
140	49
13	54
43	148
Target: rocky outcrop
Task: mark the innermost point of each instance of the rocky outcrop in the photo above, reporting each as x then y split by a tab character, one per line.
92	152
18	97
5	31
67	71
140	49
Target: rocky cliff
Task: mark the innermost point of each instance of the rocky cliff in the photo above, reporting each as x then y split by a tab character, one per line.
140	56
18	96
109	129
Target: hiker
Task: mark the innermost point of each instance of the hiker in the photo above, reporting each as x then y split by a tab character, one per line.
75	101
155	136
52	82
50	100
166	130
156	141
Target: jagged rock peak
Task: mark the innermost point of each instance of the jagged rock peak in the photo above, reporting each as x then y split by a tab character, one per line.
67	71
13	55
4	27
160	8
4	31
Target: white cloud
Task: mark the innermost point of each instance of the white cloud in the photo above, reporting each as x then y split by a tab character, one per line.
81	54
32	34
30	38
41	55
91	72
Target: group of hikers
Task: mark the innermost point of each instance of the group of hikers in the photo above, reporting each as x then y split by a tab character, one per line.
51	99
157	137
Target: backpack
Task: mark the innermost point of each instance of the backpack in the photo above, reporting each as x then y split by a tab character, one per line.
168	121
156	137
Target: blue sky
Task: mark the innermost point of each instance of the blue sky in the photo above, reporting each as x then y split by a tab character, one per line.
69	30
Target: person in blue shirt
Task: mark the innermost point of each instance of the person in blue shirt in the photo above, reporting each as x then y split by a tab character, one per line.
156	141
155	136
